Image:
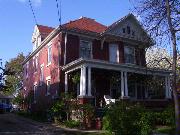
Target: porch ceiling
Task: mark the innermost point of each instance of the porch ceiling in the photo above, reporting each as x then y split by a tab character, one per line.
100	64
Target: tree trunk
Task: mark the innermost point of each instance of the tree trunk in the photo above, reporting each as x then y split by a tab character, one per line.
174	87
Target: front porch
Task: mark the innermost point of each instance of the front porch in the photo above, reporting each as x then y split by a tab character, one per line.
120	81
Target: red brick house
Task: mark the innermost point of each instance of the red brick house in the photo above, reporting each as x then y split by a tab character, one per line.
110	60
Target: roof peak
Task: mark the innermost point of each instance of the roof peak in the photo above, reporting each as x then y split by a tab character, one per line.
84	17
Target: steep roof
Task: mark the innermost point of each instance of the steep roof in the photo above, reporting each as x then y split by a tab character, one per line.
45	29
86	24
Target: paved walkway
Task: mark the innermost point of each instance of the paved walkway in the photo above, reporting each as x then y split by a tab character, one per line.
11	124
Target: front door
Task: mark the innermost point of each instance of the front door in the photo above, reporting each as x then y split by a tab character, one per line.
113	53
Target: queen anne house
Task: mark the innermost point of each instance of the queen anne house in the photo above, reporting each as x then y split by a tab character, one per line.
108	60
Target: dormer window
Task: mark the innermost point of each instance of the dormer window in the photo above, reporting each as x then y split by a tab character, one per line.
124	30
36	43
128	30
133	33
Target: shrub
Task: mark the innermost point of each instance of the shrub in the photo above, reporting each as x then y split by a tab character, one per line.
146	123
167	117
58	111
127	119
72	124
87	114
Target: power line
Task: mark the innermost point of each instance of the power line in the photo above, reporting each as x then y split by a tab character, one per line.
30	4
58	6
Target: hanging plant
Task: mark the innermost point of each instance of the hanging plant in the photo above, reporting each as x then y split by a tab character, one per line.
76	78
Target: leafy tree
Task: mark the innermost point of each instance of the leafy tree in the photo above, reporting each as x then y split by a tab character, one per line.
161	18
3	73
18	99
14	80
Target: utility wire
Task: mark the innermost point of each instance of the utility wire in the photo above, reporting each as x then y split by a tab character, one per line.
58	6
30	4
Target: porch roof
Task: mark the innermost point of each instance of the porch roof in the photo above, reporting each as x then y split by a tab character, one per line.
100	64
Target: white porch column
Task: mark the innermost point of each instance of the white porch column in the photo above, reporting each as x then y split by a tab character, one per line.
167	87
122	84
125	84
89	81
83	81
66	82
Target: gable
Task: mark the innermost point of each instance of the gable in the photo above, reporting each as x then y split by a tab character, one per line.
35	34
128	27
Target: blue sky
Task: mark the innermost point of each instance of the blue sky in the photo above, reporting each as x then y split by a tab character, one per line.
17	23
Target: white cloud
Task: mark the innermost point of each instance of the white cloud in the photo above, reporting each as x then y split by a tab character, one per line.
35	3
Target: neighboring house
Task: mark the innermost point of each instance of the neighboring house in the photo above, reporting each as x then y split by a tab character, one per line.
5	99
110	61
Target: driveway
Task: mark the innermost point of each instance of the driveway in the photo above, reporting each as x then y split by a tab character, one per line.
11	124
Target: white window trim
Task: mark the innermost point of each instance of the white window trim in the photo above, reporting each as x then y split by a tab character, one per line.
48	46
35	85
117	60
90	42
126	46
48	79
41	80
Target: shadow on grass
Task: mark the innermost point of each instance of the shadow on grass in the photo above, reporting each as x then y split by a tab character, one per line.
166	130
81	133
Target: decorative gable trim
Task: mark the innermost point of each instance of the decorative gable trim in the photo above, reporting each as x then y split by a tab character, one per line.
137	32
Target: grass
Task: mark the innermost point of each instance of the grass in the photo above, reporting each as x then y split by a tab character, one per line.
166	130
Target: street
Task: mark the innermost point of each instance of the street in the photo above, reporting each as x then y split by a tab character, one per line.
11	124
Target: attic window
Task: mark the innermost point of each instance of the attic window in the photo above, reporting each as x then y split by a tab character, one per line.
133	33
124	30
128	30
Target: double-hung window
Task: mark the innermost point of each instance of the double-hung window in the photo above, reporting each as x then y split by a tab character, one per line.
85	49
129	55
35	63
49	58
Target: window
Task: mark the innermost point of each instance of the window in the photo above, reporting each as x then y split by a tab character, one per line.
48	83
128	30
133	33
49	58
42	73
113	53
129	55
36	43
35	63
124	30
85	49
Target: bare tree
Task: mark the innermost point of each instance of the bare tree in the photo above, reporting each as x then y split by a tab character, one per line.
161	18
